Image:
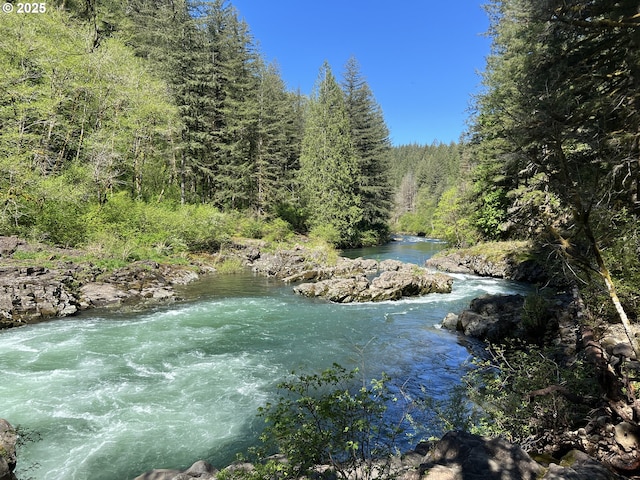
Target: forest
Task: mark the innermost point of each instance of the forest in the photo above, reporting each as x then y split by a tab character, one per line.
153	127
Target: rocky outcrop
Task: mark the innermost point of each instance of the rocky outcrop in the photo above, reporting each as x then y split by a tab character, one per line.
386	286
496	318
501	262
345	280
490	317
200	469
138	282
8	440
28	294
304	264
33	293
463	456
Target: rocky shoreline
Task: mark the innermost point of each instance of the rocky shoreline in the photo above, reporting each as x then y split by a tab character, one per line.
32	293
456	456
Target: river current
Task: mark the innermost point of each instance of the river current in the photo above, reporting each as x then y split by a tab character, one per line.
108	395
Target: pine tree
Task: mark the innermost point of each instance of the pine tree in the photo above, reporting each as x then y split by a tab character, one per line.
370	138
276	143
329	167
235	72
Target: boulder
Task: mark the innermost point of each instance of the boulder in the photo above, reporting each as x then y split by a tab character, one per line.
577	465
8	440
408	282
201	470
339	290
490	317
389	285
464	456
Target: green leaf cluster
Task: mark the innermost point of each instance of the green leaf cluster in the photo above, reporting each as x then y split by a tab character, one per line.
501	385
331	418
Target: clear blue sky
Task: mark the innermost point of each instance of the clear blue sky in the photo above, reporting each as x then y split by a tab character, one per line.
421	58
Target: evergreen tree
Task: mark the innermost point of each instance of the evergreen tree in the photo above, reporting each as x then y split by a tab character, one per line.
164	32
370	138
235	73
558	124
329	168
276	143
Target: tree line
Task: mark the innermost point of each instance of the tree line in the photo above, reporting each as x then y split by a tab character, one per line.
170	102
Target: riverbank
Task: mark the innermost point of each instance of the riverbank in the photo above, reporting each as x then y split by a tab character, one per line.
278	266
39	282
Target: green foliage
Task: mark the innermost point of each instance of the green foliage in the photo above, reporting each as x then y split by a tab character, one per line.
278	230
556	148
501	387
134	229
330	418
452	219
535	314
421	174
329	165
230	265
326	233
492	214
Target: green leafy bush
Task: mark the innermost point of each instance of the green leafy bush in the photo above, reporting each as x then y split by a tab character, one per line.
502	389
332	419
278	230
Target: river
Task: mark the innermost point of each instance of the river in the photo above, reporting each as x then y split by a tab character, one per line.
108	395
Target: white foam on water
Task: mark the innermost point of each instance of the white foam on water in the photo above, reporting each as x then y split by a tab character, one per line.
118	394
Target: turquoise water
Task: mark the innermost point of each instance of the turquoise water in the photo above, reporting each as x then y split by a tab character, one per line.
111	395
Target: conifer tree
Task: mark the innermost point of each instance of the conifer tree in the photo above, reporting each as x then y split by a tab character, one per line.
329	165
235	74
276	143
370	138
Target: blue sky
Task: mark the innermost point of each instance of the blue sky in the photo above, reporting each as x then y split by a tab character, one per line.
421	58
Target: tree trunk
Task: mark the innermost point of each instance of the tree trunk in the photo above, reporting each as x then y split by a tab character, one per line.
611	288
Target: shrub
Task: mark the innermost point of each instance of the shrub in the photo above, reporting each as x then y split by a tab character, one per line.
501	387
333	419
326	233
278	230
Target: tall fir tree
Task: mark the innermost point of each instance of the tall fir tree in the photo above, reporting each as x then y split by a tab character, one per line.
370	137
235	72
276	147
329	169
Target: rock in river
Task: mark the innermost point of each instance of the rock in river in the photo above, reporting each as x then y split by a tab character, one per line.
389	285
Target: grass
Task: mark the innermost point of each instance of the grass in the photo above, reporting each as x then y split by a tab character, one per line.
230	265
